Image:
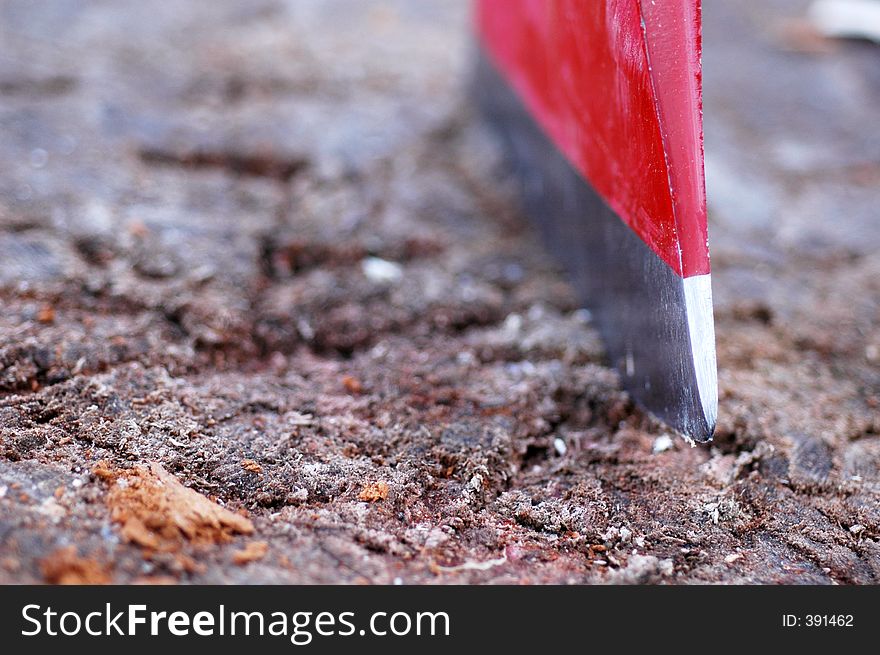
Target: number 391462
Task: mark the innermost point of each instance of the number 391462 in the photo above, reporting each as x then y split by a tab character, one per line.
818	620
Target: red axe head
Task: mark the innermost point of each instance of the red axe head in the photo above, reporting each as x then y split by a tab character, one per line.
599	102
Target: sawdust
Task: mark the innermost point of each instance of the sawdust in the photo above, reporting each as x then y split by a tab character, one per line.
252	552
46	314
251	466
374	492
65	567
156	512
155	580
352	384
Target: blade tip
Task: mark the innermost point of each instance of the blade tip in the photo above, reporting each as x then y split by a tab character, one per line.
701	329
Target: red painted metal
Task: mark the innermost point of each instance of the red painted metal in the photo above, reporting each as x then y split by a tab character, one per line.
616	84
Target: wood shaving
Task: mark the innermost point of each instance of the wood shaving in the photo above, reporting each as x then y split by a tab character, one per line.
374	492
159	513
64	566
254	551
251	466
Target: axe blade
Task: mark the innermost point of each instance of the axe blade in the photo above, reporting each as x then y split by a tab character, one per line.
598	103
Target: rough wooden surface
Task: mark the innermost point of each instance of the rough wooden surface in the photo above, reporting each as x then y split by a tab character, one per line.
265	248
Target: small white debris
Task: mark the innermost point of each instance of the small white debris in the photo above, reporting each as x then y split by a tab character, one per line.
305	329
730	559
560	446
536	312
712	510
847	19
130	430
662	444
857	529
298	419
300	495
314	469
582	315
476	482
474	566
521	369
381	270
50	507
398	581
202	274
435	538
625	535
640	542
3	490
641	569
512	325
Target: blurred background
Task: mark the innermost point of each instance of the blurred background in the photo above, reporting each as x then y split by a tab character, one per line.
95	93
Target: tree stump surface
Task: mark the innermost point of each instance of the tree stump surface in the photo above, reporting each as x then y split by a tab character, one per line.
266	251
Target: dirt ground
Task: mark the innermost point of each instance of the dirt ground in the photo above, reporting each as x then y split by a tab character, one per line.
270	313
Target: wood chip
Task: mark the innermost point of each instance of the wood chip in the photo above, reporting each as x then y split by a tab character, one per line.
46	314
159	513
254	551
352	384
64	566
374	492
252	466
134	531
154	580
